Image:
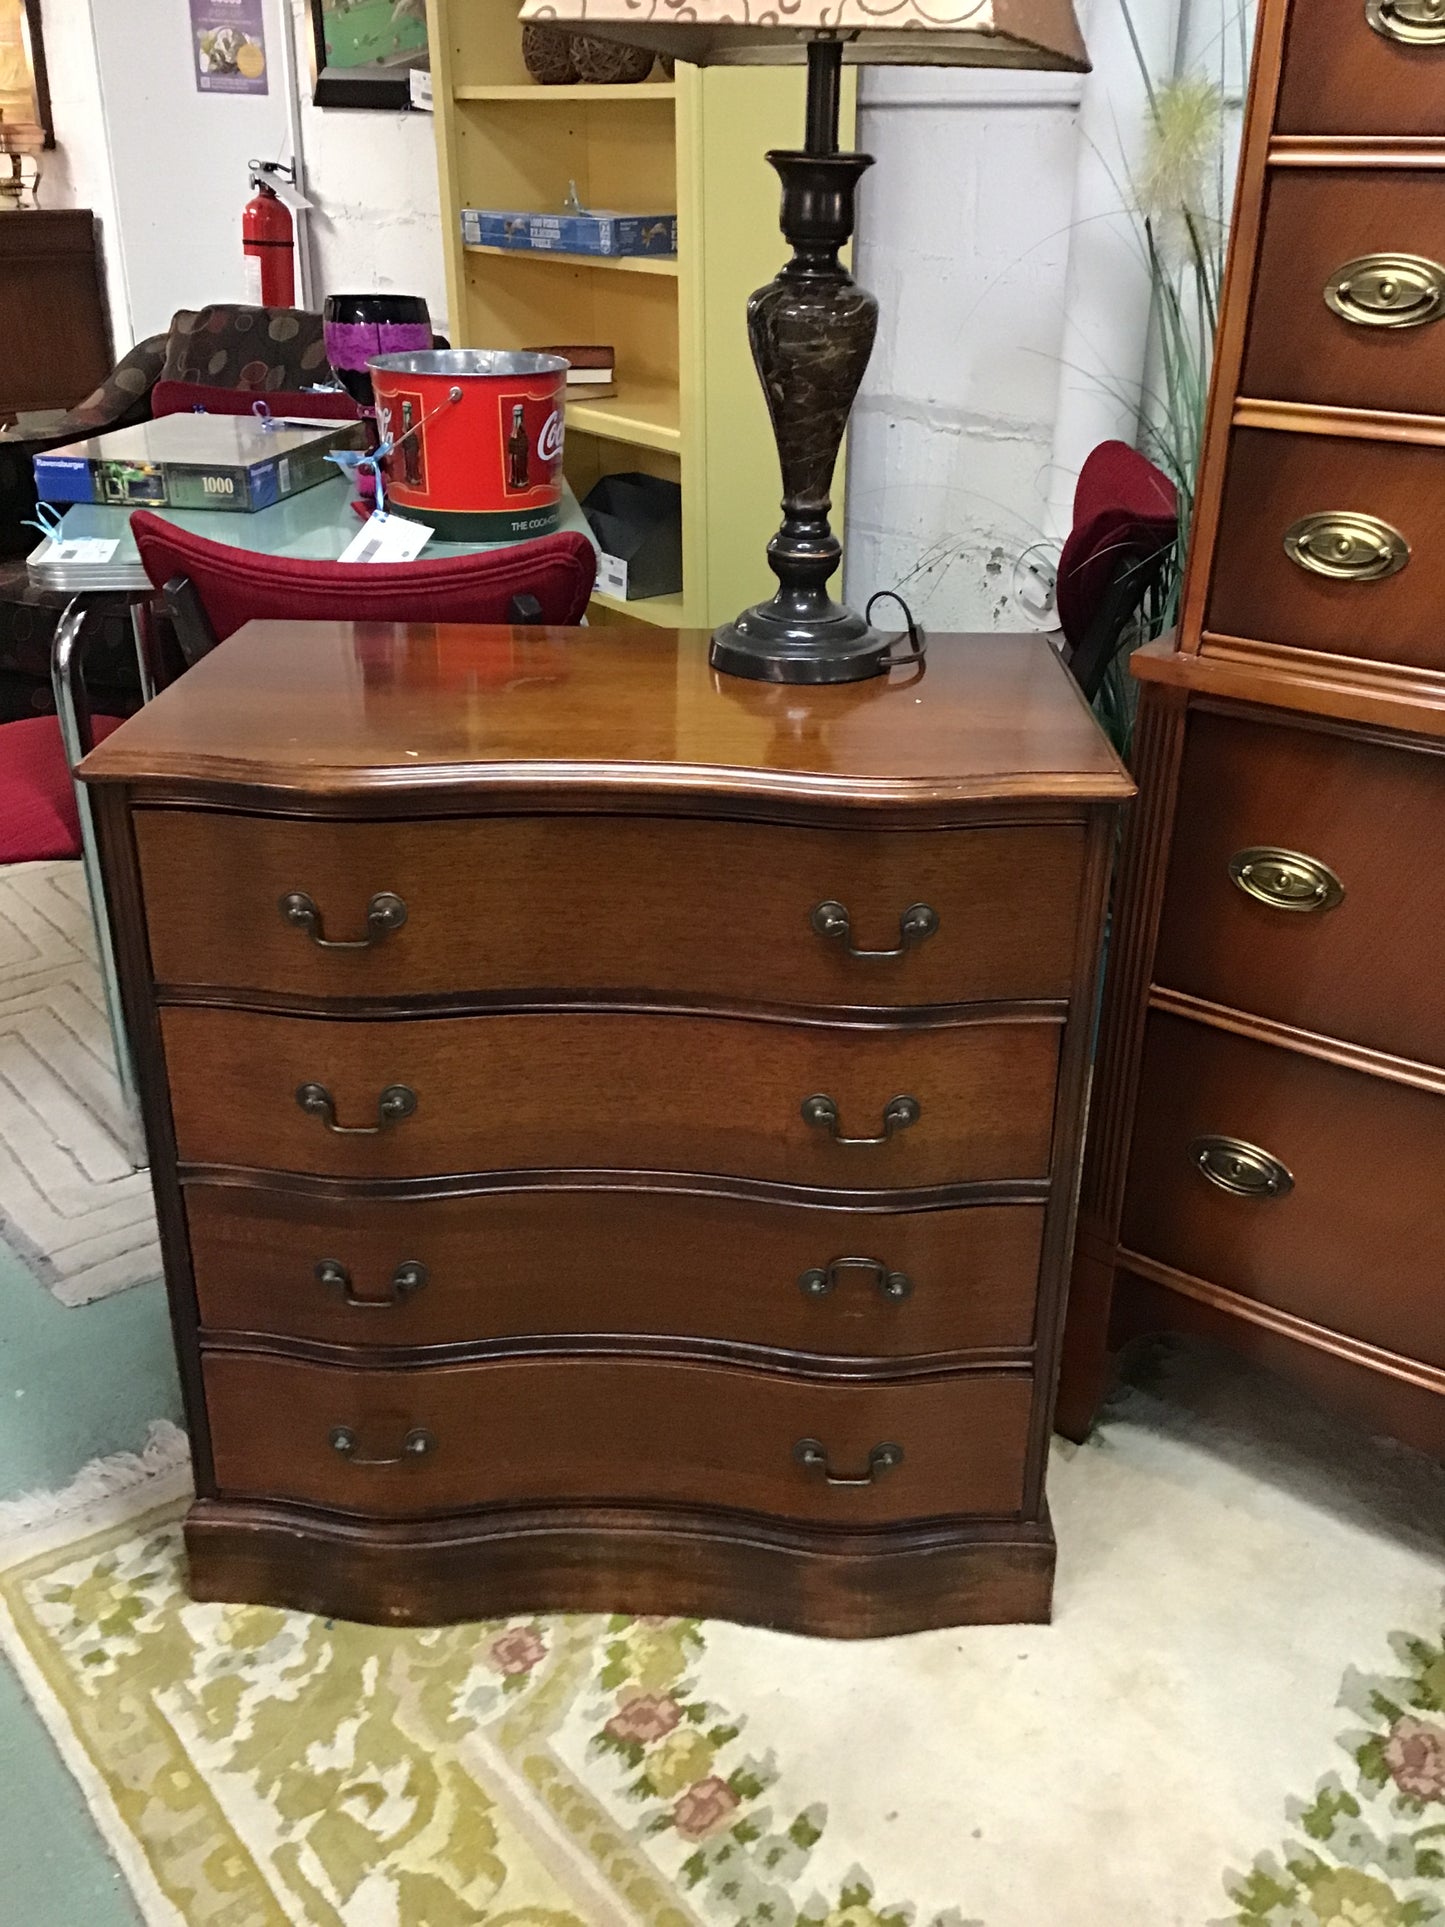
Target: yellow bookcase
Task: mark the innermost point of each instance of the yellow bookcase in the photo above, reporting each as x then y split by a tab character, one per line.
687	402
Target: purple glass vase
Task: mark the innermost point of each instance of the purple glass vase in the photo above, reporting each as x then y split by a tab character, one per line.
358	326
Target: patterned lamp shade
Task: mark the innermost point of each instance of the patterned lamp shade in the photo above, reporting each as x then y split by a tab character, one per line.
902	33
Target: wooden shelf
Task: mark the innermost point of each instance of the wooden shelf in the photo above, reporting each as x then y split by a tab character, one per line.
645	418
665	610
688	408
628	263
529	90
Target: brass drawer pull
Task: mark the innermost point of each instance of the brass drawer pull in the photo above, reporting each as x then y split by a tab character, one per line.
898	1114
812	1455
892	1285
1346	547
417	1443
918	922
1388	291
384	913
396	1102
1415	23
1239	1168
406	1279
1286	879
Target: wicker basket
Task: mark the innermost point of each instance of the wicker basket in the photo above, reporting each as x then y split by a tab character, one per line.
549	56
607	63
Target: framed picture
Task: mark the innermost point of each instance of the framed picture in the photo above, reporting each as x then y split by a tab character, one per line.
365	50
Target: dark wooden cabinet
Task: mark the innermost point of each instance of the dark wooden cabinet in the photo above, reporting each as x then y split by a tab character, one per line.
53	317
615	1128
1267	1146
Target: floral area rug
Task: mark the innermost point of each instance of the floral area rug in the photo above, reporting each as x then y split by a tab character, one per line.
1237	1717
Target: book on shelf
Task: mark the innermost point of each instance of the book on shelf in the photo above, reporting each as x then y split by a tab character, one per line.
591	368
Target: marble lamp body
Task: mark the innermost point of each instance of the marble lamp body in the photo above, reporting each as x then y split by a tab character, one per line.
812	327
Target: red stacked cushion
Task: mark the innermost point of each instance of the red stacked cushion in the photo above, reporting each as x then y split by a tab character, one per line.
38	817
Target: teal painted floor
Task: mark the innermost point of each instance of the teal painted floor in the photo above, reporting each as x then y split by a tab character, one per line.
74	1385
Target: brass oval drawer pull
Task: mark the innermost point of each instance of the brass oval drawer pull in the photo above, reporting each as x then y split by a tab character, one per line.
1239	1168
1388	291
812	1455
1415	23
1346	547
396	1102
1286	879
892	1285
406	1279
918	923
898	1114
417	1443
384	913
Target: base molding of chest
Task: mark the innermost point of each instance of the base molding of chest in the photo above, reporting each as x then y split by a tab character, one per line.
691	1564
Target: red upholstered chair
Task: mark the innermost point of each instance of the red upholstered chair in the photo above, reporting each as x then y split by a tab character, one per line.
1126	523
211	590
183	397
38	814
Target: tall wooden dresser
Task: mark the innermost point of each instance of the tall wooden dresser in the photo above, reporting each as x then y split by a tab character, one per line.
1267	1151
615	1128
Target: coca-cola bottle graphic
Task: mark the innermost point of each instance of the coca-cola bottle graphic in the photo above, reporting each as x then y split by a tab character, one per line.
410	450
518	472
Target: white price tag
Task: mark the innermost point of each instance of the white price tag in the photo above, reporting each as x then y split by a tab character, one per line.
421	92
386	538
85	548
611	574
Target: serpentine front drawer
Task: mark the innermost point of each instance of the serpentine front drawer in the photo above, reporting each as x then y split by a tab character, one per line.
442	1439
526	1263
871	1108
576	905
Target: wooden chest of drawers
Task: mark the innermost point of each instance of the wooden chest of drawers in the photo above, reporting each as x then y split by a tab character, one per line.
615	1128
1267	1155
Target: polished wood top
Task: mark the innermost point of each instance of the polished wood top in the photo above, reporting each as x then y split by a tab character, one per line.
334	709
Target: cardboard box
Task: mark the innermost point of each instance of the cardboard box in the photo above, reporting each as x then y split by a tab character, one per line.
196	462
595	233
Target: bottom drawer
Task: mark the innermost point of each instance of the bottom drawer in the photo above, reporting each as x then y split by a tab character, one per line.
405	1444
1353	1244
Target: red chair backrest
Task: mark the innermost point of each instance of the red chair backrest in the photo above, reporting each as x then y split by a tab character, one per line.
181	397
237	586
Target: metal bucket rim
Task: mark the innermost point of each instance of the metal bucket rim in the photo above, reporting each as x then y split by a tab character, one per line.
469	363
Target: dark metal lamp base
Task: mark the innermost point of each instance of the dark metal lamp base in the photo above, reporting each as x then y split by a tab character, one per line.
767	645
811	330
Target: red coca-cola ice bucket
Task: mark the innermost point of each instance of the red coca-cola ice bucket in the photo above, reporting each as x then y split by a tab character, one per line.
477	440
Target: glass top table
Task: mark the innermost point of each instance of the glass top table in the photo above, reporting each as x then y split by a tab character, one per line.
314	526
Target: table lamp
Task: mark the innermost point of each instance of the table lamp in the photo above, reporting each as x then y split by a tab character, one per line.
20	141
812	327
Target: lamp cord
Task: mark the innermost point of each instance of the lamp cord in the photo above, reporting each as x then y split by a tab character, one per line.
917	638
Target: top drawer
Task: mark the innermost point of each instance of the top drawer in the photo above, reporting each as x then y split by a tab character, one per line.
598	905
1364	67
1349	302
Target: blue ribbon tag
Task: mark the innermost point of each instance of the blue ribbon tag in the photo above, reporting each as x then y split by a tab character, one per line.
46	522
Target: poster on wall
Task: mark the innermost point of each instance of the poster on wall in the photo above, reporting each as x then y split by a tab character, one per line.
366	51
229	40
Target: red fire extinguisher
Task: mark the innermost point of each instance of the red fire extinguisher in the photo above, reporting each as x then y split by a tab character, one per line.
268	240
